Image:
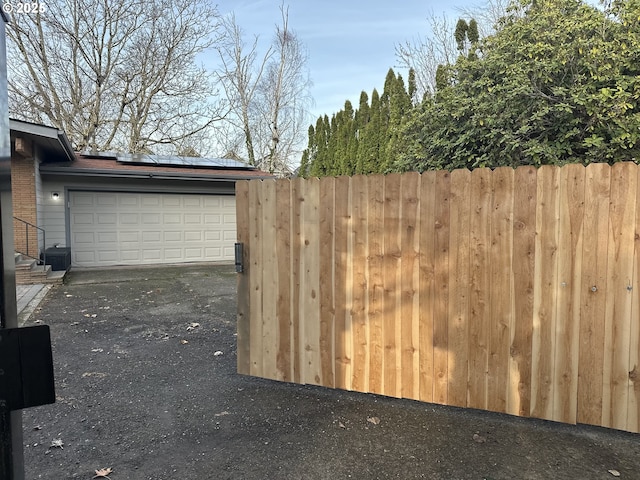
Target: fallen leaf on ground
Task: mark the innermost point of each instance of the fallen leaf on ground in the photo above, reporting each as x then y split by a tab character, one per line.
478	438
184	342
374	420
103	472
193	326
341	425
57	444
615	473
217	354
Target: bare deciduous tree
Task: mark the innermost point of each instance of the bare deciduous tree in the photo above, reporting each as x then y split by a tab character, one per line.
267	94
240	77
425	54
115	75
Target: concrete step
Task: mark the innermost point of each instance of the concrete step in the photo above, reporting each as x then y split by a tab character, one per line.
28	272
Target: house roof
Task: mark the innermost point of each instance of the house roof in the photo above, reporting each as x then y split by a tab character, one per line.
53	142
60	159
111	167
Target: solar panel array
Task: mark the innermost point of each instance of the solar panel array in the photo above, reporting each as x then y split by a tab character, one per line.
181	161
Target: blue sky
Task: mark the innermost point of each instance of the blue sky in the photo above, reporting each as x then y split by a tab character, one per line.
351	43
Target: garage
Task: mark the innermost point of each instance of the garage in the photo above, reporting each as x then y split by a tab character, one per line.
129	228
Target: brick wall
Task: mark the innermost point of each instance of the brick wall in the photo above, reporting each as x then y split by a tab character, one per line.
23	187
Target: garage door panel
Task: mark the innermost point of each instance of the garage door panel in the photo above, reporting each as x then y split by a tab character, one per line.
83	200
132	255
128	236
151	236
212	202
212	235
106	199
106	237
145	228
172	219
129	219
106	219
171	201
193	236
192	254
149	254
173	254
83	218
151	219
107	255
128	200
85	258
151	200
172	236
194	201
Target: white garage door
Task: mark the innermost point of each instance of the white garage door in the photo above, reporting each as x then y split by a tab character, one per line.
120	228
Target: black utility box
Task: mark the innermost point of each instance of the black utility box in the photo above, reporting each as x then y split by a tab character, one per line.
58	258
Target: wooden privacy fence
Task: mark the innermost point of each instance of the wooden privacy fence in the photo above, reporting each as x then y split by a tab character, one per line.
513	291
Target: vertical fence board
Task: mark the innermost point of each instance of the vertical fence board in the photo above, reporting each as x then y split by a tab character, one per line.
440	316
255	247
283	267
375	230
501	289
409	289
270	327
359	204
391	322
546	287
479	286
327	280
342	315
593	293
297	198
619	294
244	294
633	415
570	238
310	284
427	283
458	306
524	251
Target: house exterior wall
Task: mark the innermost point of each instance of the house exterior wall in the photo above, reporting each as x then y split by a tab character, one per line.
53	213
24	180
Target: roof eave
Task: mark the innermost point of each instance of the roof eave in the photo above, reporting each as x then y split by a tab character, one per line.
85	172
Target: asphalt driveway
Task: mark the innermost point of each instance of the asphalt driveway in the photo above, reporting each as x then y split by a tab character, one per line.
146	386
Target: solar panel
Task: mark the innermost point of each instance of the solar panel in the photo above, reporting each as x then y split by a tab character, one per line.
181	161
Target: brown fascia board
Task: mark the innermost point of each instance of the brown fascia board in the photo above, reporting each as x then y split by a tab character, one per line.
112	173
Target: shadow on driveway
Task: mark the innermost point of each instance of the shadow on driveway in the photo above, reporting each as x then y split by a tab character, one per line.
146	385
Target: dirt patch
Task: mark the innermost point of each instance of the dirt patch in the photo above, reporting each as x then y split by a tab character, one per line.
146	384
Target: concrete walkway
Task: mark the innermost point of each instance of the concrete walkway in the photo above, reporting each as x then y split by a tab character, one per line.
28	298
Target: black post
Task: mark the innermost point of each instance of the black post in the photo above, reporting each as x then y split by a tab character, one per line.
11	454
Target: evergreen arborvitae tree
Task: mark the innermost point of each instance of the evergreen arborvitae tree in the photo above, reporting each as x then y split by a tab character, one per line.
362	119
364	140
461	34
412	87
369	146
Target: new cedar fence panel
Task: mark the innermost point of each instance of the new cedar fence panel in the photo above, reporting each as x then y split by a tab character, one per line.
513	291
